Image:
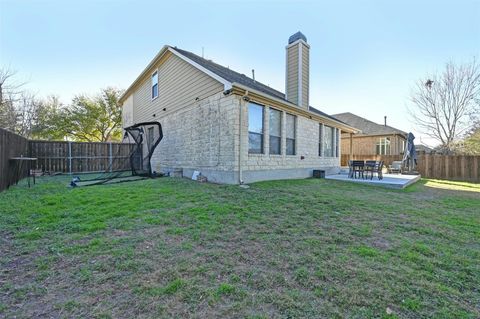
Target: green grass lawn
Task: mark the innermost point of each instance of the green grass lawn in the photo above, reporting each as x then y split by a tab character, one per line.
283	249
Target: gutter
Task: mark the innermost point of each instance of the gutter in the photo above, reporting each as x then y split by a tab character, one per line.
374	135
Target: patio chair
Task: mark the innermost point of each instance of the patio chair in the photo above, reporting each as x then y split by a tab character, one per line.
369	167
358	167
373	167
395	167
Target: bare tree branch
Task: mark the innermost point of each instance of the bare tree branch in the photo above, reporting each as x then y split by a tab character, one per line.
442	103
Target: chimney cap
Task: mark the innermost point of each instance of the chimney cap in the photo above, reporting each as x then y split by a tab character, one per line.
297	36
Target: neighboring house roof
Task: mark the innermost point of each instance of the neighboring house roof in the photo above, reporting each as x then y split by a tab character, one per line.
225	76
366	126
423	148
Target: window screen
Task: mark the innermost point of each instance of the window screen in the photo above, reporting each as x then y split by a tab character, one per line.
154	85
255	128
275	127
290	125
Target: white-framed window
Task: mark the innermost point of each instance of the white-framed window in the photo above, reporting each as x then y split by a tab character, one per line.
291	130
154	85
275	128
255	128
383	146
328	141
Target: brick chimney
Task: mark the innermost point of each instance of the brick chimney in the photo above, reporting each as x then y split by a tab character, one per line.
297	77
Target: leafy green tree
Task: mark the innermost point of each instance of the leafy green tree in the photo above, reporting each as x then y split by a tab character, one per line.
471	144
95	119
87	119
49	120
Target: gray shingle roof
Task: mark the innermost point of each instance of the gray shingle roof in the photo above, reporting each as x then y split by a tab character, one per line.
315	110
233	76
366	126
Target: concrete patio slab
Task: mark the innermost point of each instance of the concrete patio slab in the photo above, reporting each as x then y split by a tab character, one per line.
389	180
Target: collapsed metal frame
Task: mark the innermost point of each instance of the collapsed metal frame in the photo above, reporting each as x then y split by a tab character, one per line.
137	133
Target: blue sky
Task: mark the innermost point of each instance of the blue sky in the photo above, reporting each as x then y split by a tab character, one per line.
365	55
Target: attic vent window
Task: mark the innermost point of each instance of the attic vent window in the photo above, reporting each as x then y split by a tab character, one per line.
154	85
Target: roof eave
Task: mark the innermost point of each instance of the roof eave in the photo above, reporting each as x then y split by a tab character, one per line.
227	85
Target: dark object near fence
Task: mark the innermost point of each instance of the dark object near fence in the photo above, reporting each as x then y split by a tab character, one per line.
147	136
318	173
409	160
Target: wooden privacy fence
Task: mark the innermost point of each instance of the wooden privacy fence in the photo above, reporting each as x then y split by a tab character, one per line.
11	145
453	167
60	157
80	157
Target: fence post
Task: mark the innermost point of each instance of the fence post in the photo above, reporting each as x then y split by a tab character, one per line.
110	159
476	177
427	158
447	166
70	157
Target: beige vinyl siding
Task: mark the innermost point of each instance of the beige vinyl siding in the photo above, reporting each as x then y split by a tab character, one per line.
305	75
292	74
179	85
127	112
366	145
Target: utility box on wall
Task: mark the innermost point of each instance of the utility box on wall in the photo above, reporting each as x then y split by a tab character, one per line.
318	173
